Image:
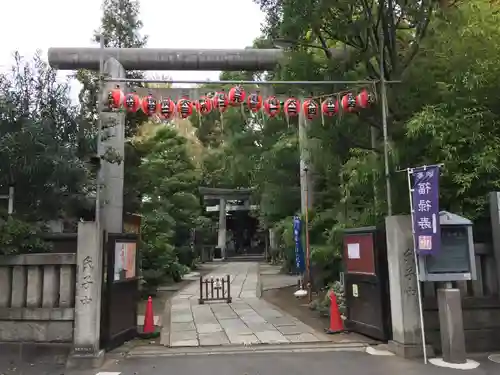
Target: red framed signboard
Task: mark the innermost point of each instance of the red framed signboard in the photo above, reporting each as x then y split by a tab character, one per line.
359	253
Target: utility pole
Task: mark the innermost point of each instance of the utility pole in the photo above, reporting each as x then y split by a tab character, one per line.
306	183
383	94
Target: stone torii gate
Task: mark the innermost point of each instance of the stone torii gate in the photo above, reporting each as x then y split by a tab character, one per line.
112	63
224	195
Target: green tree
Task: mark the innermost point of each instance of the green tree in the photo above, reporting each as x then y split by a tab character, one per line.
120	27
459	123
38	143
341	40
443	111
38	155
171	205
346	150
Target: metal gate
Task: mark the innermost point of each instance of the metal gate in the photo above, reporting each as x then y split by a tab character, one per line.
366	283
120	292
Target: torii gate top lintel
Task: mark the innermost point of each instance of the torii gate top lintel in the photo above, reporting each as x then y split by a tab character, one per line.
226	194
249	59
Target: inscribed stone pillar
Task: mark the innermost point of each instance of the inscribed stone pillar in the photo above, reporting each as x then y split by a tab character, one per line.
221	242
272	244
272	239
407	340
306	182
86	349
495	229
112	174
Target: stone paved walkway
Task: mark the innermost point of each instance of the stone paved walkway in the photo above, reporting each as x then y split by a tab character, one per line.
247	320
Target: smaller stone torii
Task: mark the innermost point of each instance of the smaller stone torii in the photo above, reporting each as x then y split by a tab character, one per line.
224	195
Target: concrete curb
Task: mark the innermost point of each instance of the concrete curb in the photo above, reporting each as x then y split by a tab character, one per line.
278	287
157	351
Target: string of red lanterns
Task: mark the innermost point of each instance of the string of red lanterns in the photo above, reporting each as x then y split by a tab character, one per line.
220	101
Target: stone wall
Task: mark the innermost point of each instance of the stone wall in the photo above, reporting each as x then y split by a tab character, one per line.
37	298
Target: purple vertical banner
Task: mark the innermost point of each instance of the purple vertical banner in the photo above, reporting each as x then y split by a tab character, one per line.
425	215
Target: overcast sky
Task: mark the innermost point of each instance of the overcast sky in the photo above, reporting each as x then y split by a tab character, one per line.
35	24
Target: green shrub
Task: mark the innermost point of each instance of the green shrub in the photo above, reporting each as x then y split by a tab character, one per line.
21	237
326	263
339	291
323	305
186	256
159	263
289	264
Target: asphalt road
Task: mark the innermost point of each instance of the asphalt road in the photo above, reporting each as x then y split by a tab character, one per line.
248	363
283	363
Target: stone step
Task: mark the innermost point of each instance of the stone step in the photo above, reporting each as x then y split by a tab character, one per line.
162	351
246	258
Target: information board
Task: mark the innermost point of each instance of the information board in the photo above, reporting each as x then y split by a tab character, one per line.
125	256
454	256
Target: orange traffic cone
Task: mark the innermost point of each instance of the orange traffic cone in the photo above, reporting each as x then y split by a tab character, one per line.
336	324
149	324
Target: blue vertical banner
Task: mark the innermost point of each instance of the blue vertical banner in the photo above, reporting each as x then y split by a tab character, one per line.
299	251
425	215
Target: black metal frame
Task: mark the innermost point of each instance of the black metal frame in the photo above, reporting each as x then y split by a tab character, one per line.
223	293
119	298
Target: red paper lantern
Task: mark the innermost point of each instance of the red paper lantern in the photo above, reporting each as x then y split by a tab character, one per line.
185	108
272	106
220	101
348	103
364	99
330	107
254	102
236	96
204	105
167	108
132	102
292	107
149	105
310	108
115	98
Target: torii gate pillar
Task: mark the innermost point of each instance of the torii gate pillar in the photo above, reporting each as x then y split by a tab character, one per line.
221	238
109	218
112	174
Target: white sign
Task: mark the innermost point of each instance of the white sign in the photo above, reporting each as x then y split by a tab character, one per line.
353	251
355	291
